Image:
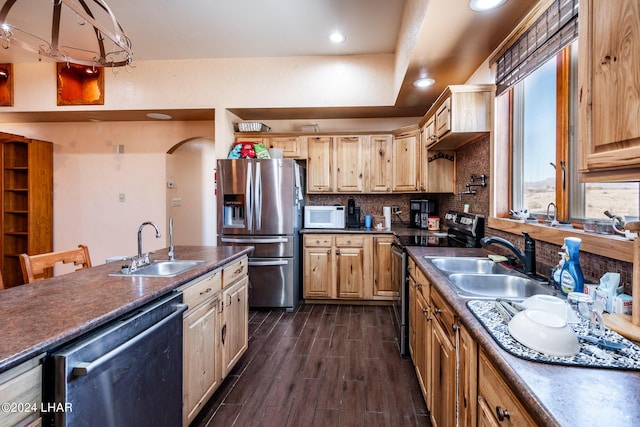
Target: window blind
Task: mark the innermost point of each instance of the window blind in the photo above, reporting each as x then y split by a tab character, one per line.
556	28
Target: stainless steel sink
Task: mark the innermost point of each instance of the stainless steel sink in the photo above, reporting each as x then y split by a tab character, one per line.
468	265
498	285
164	268
478	277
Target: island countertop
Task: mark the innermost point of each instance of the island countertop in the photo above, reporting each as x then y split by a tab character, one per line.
556	395
43	315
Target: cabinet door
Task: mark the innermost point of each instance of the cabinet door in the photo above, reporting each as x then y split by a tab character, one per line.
202	357
380	166
609	86
443	118
350	272
443	376
421	352
320	172
382	281
318	272
349	164
235	328
293	147
467	378
405	163
485	416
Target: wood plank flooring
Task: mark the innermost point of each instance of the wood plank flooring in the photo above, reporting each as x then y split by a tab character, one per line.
322	365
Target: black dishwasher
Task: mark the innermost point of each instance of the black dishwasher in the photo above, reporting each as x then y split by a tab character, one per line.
126	373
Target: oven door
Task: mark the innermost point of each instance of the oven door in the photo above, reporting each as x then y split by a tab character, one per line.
401	299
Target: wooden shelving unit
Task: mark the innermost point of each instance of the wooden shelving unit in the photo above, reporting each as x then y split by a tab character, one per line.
27	202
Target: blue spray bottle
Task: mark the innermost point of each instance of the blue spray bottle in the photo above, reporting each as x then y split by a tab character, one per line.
571	278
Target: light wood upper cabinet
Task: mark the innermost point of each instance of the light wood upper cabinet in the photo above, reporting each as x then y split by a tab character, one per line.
609	89
293	146
462	113
441	169
320	172
380	165
349	164
406	158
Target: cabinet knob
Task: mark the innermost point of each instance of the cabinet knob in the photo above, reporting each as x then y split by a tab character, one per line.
337	251
437	310
328	251
502	414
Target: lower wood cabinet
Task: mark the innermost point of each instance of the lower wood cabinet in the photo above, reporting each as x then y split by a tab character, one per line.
497	404
444	354
215	333
347	266
235	327
22	386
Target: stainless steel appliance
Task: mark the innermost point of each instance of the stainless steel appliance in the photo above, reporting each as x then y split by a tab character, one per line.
260	204
419	211
126	373
465	230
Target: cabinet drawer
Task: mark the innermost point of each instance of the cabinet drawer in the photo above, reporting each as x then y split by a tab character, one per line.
196	292
21	385
233	272
500	400
349	241
423	287
318	241
443	313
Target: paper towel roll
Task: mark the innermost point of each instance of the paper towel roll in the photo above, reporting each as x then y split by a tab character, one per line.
386	210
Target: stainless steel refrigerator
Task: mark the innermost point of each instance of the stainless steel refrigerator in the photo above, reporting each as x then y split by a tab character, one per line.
260	204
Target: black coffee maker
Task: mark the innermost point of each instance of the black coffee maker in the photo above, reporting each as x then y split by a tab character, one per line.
353	214
419	211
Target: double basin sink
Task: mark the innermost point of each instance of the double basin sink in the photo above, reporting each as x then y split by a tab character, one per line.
477	277
161	268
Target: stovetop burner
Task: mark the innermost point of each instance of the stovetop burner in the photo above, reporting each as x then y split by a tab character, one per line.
464	231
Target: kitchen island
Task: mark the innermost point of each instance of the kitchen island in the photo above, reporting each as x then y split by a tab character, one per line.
553	395
41	316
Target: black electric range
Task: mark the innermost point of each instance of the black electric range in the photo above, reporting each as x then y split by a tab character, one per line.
464	230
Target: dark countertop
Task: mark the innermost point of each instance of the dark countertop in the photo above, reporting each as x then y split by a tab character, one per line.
556	395
397	229
43	315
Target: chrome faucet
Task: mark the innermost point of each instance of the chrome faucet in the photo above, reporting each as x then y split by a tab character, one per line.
145	260
551	219
172	252
527	259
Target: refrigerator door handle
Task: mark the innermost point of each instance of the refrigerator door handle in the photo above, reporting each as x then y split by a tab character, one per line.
266	263
258	197
247	241
249	198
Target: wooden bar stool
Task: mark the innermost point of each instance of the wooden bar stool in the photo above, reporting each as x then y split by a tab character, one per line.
38	267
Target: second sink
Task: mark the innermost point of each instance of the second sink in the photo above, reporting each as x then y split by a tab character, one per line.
498	285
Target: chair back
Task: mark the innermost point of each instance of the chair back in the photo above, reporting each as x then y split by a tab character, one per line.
38	267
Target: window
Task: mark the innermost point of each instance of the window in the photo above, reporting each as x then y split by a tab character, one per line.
545	154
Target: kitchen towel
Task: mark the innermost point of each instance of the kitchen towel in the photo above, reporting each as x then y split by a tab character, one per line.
386	211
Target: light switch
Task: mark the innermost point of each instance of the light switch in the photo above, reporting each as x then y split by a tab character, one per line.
176	201
121	197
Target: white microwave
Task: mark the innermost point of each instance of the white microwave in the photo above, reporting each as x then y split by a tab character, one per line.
324	217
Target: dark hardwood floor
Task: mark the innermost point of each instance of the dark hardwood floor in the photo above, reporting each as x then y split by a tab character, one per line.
322	365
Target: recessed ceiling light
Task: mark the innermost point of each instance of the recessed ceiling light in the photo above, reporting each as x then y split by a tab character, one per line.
159	116
423	82
337	37
485	5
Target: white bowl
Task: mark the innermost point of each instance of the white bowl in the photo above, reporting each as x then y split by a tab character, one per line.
545	332
553	305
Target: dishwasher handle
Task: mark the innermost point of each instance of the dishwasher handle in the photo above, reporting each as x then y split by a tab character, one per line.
85	368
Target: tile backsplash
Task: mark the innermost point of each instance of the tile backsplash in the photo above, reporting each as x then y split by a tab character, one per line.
473	159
